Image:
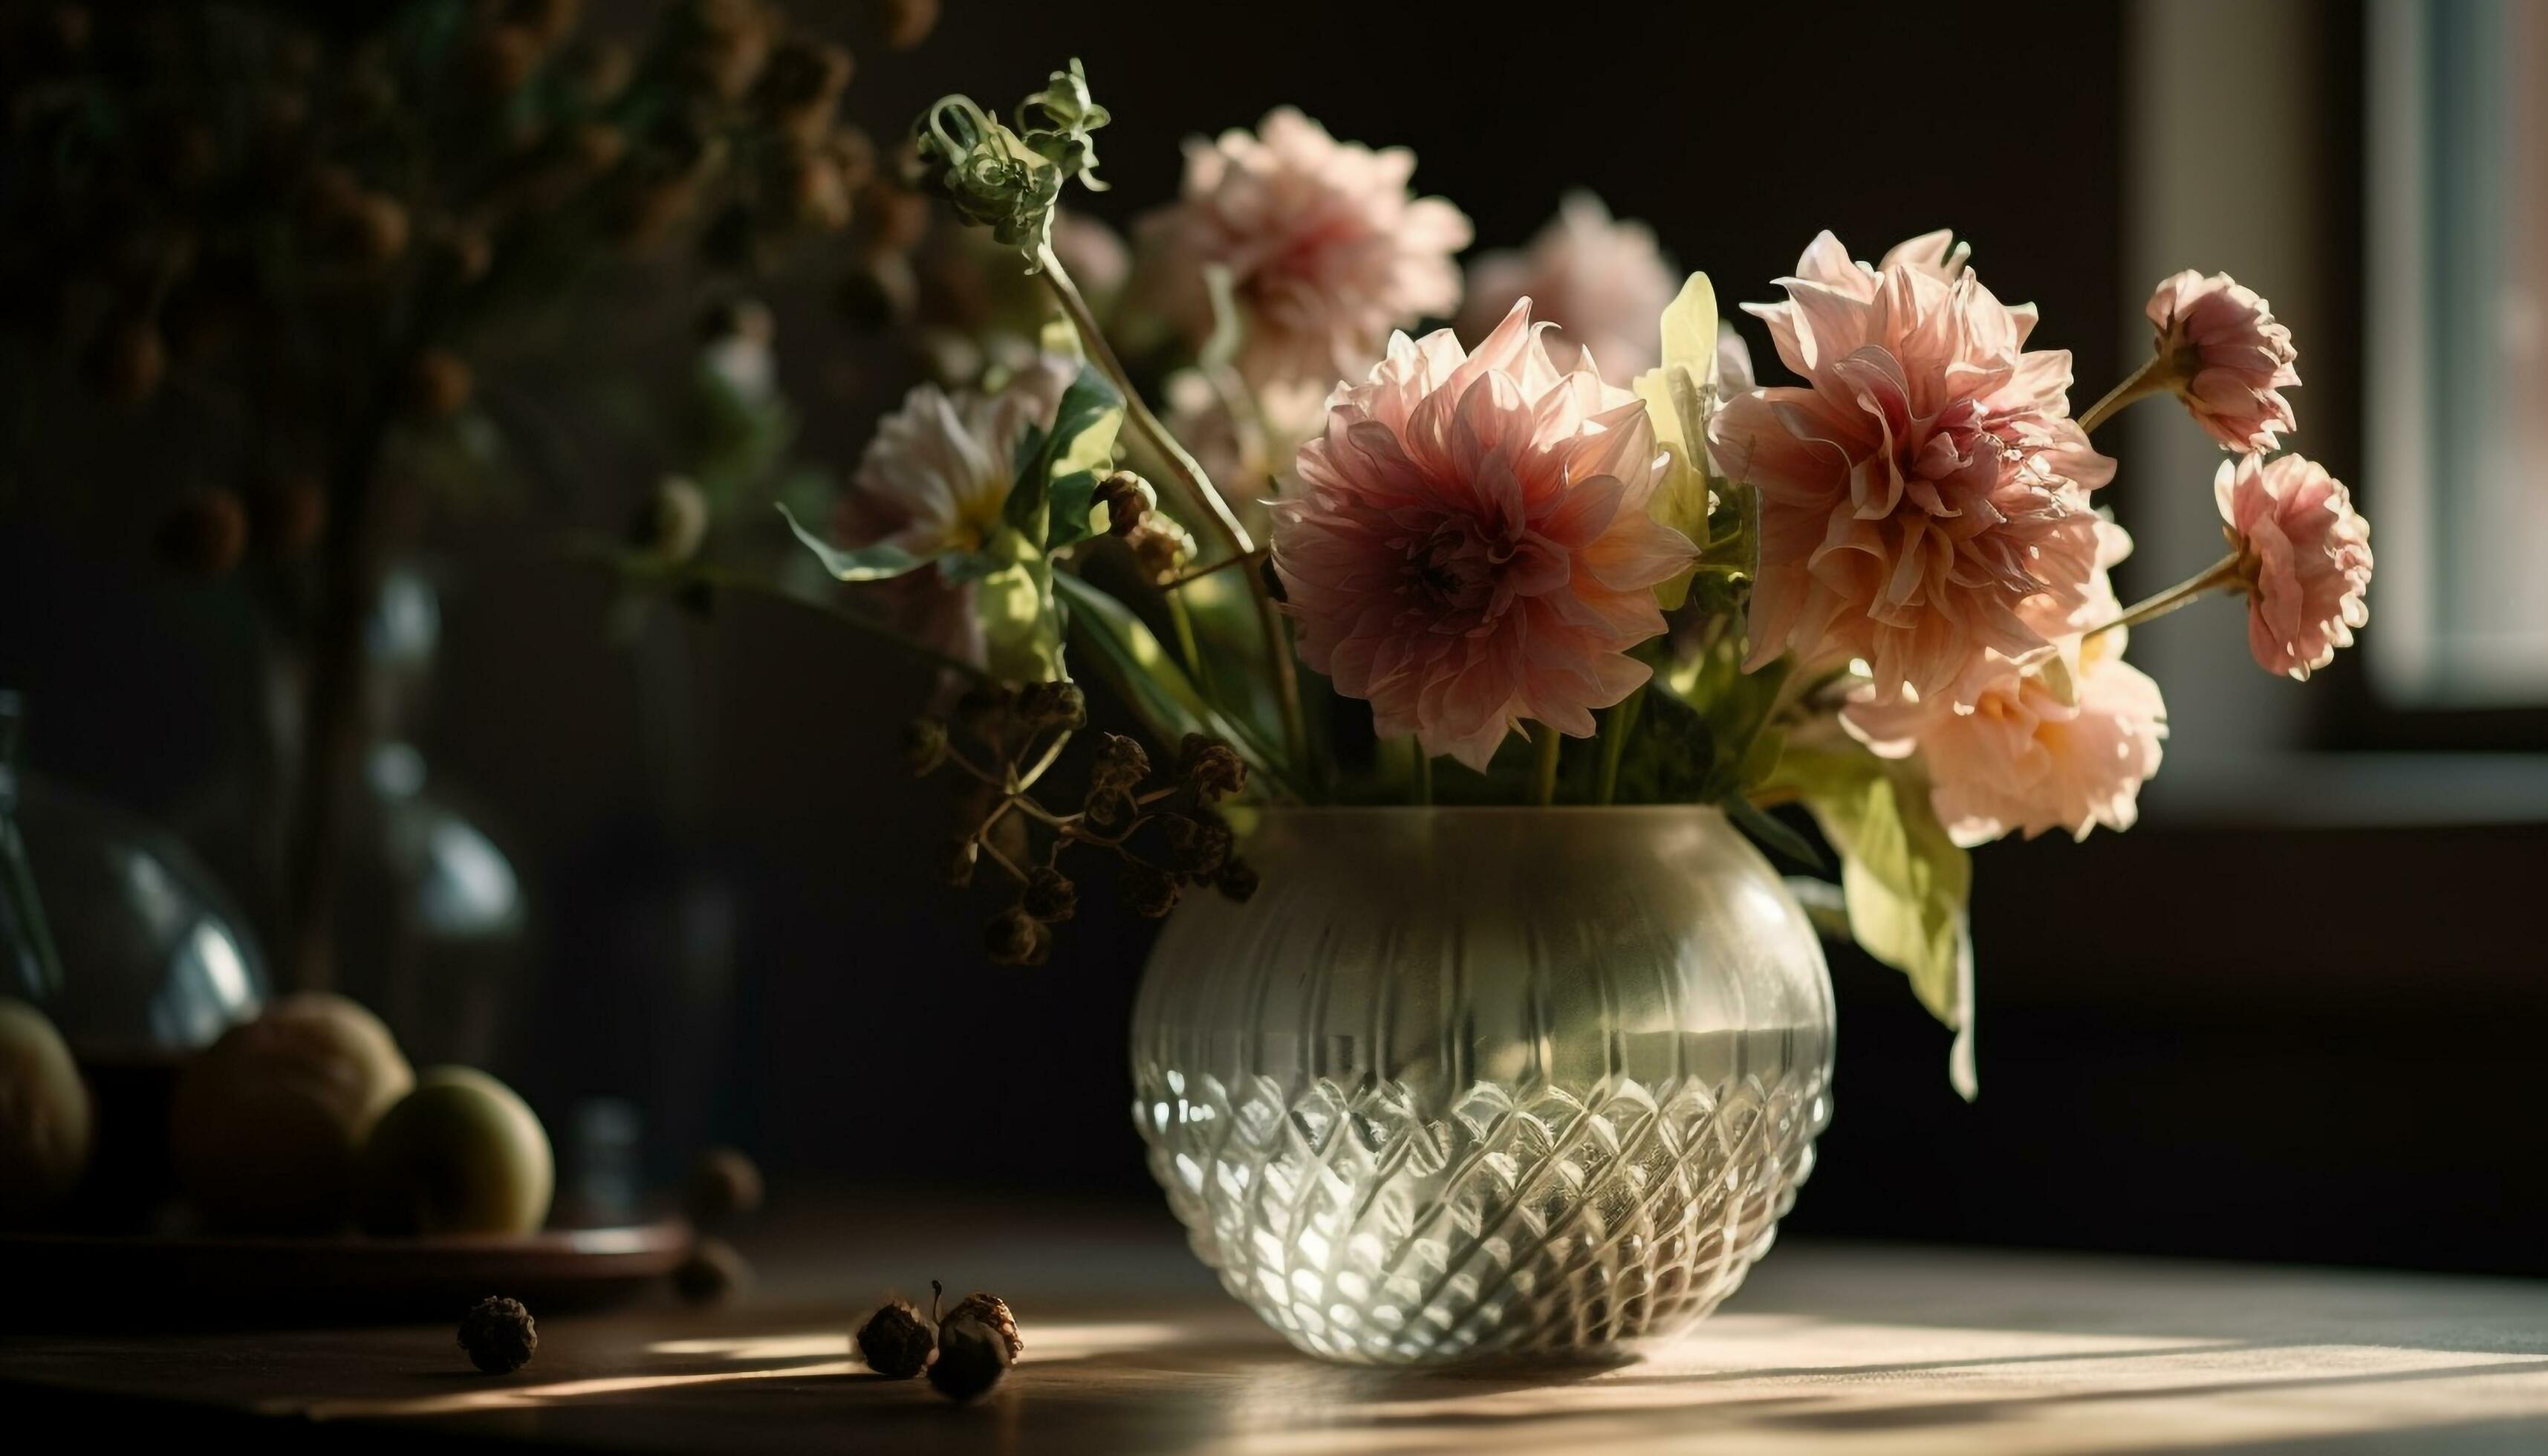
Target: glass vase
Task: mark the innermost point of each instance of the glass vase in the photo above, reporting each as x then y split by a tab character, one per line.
1470	1082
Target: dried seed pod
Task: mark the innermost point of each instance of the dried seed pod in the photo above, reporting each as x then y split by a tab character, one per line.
1202	846
725	1185
499	1336
1238	879
1049	895
1015	937
1058	704
977	1345
714	1273
895	1341
1149	891
1209	769
992	1311
1128	501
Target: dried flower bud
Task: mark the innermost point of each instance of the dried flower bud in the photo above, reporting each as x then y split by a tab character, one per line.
1120	767
1149	891
725	1185
801	86
961	855
1128	498
907	22
924	744
1238	879
713	1273
1015	937
1055	704
1161	547
977	1342
205	536
438	383
994	1314
1201	846
1209	769
896	1342
499	1336
1050	896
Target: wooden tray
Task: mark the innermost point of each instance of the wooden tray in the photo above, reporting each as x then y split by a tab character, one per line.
141	1281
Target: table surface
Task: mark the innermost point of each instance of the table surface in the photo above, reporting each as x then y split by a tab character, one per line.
1131	1349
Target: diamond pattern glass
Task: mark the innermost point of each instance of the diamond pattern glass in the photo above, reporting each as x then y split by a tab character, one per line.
1481	1081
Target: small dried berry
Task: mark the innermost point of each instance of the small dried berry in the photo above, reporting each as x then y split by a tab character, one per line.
896	1342
725	1185
499	1336
1238	879
1121	765
924	744
1015	938
1128	501
1161	548
992	1311
1208	768
977	1342
1149	891
1052	705
1049	895
713	1273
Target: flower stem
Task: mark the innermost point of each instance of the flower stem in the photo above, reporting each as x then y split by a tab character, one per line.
1187	648
2153	377
1544	768
1423	773
1198	489
1616	724
2214	577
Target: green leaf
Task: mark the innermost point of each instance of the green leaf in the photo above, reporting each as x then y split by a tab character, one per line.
1049	505
1676	398
879	562
1020	626
1145	675
1906	882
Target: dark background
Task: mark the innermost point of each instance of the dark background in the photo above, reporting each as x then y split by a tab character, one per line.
2208	1038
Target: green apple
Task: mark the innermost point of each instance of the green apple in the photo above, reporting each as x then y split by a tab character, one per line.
458	1155
45	1120
268	1120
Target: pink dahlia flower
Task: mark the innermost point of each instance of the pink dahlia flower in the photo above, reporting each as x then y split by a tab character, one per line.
1470	545
2062	742
2305	554
2225	357
1926	485
1327	250
1602	282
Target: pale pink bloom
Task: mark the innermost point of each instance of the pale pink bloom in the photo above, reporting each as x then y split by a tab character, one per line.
933	479
1602	282
2225	357
2064	741
2305	554
1926	485
1249	454
1470	545
1326	249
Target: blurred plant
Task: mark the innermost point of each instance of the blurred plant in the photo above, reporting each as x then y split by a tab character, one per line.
312	231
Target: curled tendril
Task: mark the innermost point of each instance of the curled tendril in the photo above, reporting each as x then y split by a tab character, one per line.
1000	179
1055	122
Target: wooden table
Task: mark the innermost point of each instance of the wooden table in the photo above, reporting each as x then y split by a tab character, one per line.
1132	1349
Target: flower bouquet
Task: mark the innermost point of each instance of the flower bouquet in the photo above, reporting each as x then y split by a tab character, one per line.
1452	1050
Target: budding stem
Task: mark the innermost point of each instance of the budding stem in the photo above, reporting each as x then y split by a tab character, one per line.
2214	578
1197	487
2153	377
1544	768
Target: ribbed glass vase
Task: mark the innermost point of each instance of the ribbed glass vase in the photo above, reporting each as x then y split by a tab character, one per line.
1482	1081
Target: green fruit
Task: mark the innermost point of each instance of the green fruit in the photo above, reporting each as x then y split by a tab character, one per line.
44	1116
269	1120
458	1155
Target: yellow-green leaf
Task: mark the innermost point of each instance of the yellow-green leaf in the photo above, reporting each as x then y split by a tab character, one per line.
1675	399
